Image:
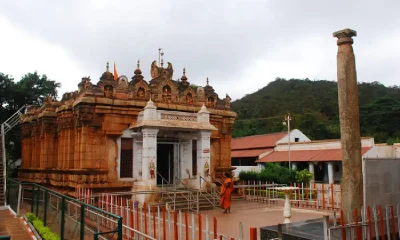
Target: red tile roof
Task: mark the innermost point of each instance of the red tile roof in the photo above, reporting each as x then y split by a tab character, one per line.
307	155
257	141
249	153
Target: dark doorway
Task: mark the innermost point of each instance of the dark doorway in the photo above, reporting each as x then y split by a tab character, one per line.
126	163
194	158
165	163
319	172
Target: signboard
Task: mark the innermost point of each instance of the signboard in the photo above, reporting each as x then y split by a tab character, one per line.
206	150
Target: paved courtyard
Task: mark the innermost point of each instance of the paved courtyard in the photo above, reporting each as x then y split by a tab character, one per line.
255	214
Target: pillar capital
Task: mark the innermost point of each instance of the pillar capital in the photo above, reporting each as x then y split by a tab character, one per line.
345	36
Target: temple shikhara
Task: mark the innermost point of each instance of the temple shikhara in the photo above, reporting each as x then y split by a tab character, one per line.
120	134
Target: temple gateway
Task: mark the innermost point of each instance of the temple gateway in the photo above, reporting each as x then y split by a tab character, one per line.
122	134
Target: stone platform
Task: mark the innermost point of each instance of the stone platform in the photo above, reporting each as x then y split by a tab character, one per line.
304	230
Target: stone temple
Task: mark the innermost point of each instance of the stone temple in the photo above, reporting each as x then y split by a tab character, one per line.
128	135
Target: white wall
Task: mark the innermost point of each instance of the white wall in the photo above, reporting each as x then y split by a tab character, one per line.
295	133
244	168
381	178
380	151
317	145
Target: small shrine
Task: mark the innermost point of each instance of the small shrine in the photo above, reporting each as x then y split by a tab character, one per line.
121	134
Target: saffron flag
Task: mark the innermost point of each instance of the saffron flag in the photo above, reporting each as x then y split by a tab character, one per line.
115	72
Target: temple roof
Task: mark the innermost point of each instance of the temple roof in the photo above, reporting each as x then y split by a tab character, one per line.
161	88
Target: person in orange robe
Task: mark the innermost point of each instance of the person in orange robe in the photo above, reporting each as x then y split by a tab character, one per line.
226	191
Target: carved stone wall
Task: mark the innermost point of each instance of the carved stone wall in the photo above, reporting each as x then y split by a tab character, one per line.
73	143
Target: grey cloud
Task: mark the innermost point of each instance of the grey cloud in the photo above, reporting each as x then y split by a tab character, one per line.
218	39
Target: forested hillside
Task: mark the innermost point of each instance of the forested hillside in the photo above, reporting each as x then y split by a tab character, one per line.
314	109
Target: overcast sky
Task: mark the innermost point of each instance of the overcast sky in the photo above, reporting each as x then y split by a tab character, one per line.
240	45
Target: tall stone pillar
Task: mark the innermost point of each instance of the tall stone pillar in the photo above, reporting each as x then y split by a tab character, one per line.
352	181
203	158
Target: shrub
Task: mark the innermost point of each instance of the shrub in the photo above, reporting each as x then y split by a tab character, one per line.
30	217
250	175
304	176
272	172
43	231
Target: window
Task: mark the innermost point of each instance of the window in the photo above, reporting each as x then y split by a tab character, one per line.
248	162
235	162
126	158
243	161
296	139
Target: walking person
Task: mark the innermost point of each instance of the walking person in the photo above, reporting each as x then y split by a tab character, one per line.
226	191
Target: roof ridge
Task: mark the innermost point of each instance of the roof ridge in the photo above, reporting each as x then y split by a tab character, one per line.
259	135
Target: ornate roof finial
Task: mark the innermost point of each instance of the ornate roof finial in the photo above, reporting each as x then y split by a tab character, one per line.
138	71
207	81
160	54
107	67
184	78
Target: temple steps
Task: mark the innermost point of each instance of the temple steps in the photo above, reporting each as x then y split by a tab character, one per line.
184	203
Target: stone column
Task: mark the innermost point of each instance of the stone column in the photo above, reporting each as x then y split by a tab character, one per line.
149	157
186	159
203	157
352	181
330	173
137	159
311	170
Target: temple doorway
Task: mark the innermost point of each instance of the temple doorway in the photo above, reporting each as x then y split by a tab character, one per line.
165	163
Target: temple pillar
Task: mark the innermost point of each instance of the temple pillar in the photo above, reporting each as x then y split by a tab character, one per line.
137	159
149	157
186	159
294	166
85	148
352	181
330	173
69	154
77	150
203	158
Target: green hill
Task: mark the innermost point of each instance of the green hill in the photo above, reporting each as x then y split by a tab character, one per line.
314	109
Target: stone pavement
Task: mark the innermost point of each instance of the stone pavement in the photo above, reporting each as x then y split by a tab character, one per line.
255	214
12	226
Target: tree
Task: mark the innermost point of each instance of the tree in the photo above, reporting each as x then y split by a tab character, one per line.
32	89
315	111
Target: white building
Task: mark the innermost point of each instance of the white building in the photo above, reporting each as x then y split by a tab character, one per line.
323	158
247	150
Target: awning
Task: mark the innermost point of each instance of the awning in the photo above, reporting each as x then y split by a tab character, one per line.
321	155
249	153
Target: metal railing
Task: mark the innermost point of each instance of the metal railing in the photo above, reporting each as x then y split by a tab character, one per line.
376	222
213	196
68	217
163	180
6	126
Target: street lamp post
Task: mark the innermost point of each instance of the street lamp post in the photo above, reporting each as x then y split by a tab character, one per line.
287	123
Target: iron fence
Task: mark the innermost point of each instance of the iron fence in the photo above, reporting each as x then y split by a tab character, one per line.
70	218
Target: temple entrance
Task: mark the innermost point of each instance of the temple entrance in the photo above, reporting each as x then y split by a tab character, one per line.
165	163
